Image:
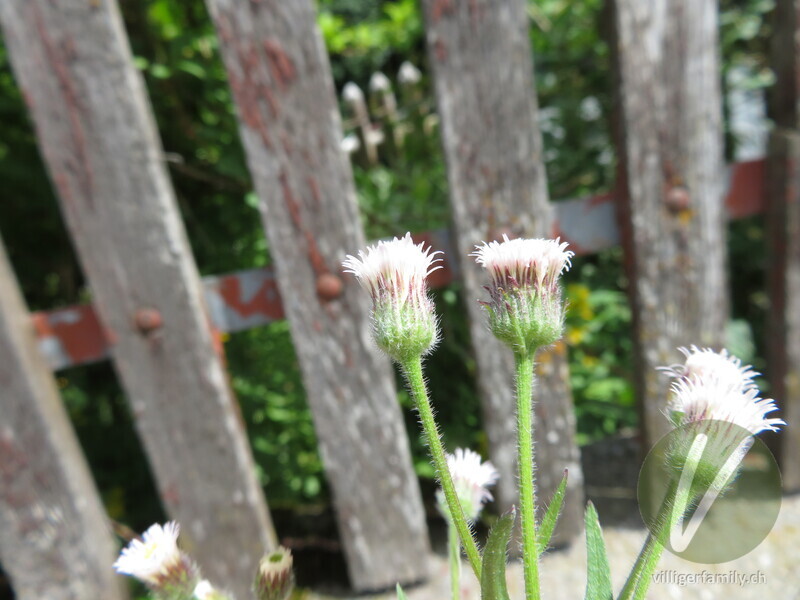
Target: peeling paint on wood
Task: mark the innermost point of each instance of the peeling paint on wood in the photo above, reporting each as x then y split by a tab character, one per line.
99	141
483	75
56	542
281	81
670	185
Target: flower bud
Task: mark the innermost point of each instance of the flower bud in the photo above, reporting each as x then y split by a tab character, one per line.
525	308
403	318
275	579
156	561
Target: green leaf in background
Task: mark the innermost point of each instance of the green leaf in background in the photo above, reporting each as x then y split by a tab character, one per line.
401	595
551	515
598	573
493	573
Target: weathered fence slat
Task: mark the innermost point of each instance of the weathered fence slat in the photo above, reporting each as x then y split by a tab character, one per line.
55	542
100	144
483	73
783	227
670	184
280	75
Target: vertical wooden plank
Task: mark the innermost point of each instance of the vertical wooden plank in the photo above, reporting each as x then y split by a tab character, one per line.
281	80
483	72
783	227
56	542
102	150
671	185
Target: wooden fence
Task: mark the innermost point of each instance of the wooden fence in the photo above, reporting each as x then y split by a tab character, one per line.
158	322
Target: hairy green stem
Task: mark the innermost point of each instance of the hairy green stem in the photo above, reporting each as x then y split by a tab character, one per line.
455	560
527	486
412	368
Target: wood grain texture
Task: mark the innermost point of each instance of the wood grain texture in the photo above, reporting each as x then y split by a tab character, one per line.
783	227
783	319
483	73
671	185
280	75
100	144
56	542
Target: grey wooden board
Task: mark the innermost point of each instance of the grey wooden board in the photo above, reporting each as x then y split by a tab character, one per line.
280	75
783	227
783	319
671	183
483	73
56	542
103	154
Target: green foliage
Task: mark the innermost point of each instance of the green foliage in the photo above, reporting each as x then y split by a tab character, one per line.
493	570
598	573
551	515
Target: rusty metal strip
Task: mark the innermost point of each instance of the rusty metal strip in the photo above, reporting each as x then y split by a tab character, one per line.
73	336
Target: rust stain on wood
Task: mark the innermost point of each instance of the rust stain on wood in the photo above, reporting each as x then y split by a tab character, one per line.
440	50
280	65
314	255
57	59
441	8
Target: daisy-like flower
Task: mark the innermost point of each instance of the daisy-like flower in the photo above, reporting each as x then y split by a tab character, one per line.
472	479
394	273
704	363
275	578
525	308
714	396
157	561
719	398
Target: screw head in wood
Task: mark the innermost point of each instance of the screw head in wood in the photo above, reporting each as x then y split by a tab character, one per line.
677	199
329	286
148	320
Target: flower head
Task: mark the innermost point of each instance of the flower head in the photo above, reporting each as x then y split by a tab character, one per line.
705	363
394	273
156	560
714	396
472	479
275	578
525	308
717	398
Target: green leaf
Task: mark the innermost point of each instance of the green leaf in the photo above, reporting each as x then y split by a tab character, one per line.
598	576
551	516
401	595
493	571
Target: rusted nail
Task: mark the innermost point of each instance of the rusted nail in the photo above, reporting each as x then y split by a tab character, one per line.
148	320
329	286
677	199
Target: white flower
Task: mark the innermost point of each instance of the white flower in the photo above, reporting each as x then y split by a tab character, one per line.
525	309
472	479
396	268
722	398
524	262
155	555
703	363
204	590
394	273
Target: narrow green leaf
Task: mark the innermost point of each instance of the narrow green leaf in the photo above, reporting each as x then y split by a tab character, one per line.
493	571
551	516
598	576
401	595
